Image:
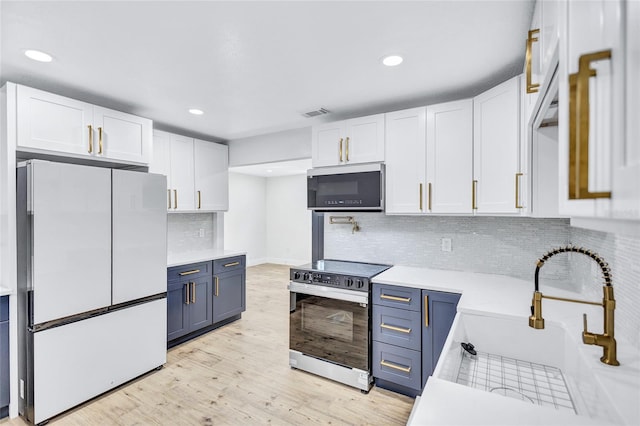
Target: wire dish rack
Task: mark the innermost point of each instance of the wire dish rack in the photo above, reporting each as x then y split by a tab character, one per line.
527	381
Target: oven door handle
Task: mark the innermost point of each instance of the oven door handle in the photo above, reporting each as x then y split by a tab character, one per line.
329	292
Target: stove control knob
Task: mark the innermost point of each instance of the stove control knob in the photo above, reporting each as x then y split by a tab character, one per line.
305	276
296	275
349	282
360	284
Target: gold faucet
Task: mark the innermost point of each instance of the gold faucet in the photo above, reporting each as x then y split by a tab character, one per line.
605	340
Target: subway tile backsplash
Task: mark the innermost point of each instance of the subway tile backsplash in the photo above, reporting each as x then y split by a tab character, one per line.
183	232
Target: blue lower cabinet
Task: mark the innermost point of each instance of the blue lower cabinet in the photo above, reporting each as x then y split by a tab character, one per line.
4	356
229	294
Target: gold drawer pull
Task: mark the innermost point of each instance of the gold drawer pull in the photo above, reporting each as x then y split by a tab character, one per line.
429	199
394	328
169	193
531	86
474	189
195	271
227	265
340	149
215	293
187	293
395	367
420	196
199	199
193	292
100	150
518	205
426	311
90	139
347	150
395	298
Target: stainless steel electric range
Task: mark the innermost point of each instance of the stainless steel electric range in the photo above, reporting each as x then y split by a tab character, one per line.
329	321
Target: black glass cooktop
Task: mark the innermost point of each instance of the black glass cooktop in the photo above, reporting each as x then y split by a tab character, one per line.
358	269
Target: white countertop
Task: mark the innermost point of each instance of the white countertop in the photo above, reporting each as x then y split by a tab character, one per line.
179	259
448	403
5	291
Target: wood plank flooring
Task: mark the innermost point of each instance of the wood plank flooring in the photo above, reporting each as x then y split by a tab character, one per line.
240	374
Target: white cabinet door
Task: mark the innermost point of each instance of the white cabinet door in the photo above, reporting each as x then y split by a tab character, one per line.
139	244
450	157
405	161
71	207
161	160
211	176
364	141
122	136
532	66
496	148
591	27
548	35
52	123
327	144
182	174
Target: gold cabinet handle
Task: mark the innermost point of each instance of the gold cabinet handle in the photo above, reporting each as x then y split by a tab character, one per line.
100	140
193	292
227	265
340	149
429	199
395	298
187	290
347	150
386	363
90	139
175	198
474	188
531	87
217	287
579	110
169	197
420	196
394	328
199	199
426	311
518	205
195	271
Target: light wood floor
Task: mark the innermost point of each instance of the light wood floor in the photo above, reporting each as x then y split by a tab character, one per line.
239	374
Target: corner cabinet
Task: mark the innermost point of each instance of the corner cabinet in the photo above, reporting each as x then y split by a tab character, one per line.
358	140
497	177
55	125
599	91
204	296
4	356
197	172
409	328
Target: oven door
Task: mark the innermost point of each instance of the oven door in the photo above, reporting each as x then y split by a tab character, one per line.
330	324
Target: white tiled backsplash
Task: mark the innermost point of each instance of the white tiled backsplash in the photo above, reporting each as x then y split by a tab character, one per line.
183	232
499	245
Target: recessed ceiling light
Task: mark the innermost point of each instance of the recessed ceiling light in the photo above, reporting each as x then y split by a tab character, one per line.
37	55
196	111
269	171
392	60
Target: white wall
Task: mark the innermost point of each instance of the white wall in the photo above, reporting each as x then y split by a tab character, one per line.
245	224
288	220
273	147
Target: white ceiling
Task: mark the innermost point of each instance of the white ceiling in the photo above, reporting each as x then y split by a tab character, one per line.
281	168
255	67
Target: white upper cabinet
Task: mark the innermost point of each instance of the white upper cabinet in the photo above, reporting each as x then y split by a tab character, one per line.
211	176
358	140
496	150
56	125
405	161
196	170
599	160
450	157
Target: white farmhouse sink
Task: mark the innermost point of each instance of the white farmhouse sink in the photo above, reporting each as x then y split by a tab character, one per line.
510	341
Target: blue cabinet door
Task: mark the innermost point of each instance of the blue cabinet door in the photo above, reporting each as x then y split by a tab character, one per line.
4	356
438	311
229	297
177	309
200	302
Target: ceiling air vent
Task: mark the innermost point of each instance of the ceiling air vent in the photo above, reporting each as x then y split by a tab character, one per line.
316	113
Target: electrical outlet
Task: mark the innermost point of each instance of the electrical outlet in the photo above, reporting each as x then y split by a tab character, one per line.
445	244
201	233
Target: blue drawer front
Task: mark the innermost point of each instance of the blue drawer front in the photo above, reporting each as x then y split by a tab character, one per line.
4	308
190	271
395	326
397	297
398	365
228	264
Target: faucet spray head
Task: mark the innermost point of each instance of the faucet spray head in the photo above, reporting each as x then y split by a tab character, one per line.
535	320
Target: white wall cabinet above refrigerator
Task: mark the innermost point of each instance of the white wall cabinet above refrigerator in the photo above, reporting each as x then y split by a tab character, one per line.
358	140
197	172
55	125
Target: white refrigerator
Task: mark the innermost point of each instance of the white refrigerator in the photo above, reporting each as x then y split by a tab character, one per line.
92	277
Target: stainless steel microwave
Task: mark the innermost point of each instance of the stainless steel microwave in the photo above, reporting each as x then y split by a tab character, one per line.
358	187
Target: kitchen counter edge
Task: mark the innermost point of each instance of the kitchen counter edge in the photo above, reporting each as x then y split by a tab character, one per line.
187	258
